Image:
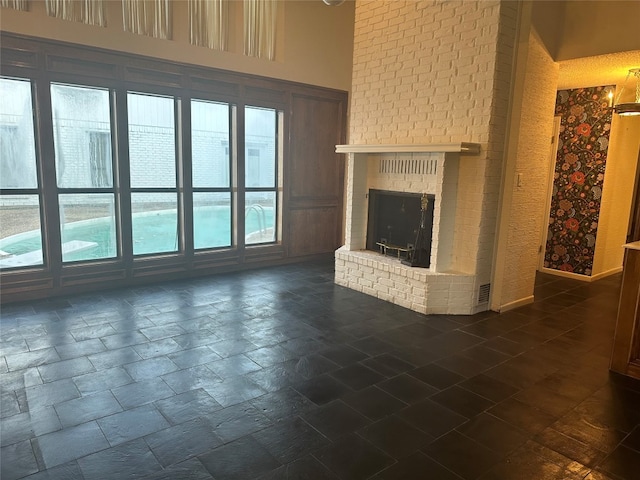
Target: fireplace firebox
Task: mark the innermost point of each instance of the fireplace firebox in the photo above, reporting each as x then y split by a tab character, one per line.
394	222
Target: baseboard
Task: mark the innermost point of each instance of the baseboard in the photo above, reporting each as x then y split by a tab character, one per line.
608	273
515	304
582	278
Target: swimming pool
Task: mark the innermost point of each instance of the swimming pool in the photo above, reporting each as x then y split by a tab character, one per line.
152	232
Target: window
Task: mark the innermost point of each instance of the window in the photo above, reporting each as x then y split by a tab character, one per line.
83	159
126	169
152	165
261	161
21	234
211	174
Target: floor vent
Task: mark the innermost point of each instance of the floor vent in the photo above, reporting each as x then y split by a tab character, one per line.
483	293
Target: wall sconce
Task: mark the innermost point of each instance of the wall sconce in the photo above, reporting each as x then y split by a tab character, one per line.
631	108
333	3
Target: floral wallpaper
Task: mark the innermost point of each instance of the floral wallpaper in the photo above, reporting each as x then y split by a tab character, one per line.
578	178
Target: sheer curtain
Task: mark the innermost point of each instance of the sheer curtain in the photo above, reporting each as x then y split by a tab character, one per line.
208	23
147	17
15	4
91	12
260	28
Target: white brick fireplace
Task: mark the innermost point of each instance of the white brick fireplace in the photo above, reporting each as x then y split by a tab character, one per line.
432	169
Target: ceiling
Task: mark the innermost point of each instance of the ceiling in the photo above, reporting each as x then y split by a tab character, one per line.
609	69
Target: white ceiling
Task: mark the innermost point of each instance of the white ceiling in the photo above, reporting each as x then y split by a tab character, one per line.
610	69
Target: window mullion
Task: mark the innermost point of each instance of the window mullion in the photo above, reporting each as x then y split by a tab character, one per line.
123	175
52	241
239	178
185	165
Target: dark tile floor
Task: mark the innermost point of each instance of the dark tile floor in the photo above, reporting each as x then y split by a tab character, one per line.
280	374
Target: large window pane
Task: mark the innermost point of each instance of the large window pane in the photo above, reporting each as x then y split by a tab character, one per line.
21	237
17	142
260	147
260	219
155	222
20	232
88	227
152	153
210	144
211	220
82	136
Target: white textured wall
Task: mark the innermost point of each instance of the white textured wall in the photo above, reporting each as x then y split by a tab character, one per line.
617	194
524	212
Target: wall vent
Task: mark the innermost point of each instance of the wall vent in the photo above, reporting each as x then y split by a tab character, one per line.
483	293
408	166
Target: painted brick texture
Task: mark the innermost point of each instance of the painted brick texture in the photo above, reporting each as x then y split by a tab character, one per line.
418	289
423	71
440	72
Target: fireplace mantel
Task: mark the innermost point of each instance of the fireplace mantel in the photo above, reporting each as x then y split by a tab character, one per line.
461	148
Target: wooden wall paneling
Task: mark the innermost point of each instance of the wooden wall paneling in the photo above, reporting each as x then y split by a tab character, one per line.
214	87
152	77
57	63
258	253
159	267
313	230
626	343
316	174
19	58
316	169
25	281
269	95
27	289
215	260
91	277
633	232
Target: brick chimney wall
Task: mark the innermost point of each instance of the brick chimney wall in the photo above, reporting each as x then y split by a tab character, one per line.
440	72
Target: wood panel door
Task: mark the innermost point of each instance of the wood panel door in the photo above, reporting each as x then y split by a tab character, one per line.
625	356
316	174
633	232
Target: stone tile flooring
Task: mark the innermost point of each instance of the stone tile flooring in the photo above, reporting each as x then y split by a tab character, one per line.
280	374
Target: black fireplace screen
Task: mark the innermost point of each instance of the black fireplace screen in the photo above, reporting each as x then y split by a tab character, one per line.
395	220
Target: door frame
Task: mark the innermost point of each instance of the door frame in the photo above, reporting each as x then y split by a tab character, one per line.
553	149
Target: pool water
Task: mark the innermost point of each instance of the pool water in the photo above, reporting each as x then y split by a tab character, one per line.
153	232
